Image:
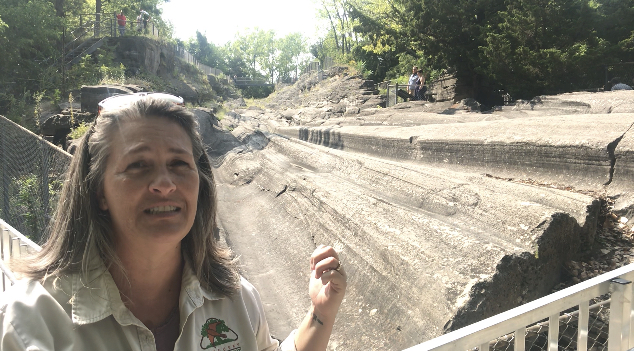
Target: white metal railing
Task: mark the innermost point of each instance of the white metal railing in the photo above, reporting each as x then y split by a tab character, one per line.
12	244
189	58
621	329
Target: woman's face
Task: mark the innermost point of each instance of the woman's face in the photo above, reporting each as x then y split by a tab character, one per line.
150	183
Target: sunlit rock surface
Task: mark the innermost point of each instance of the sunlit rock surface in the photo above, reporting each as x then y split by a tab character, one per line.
442	216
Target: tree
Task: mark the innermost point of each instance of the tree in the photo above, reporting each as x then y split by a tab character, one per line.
290	48
28	42
527	47
341	24
543	46
204	51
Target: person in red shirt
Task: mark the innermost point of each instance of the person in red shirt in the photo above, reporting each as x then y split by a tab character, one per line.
121	20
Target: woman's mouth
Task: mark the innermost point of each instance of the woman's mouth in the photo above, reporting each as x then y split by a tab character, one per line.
162	209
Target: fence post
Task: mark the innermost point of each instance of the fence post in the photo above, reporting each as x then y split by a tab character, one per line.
6	205
553	332
44	185
582	329
395	94
4	287
617	309
520	340
627	310
387	96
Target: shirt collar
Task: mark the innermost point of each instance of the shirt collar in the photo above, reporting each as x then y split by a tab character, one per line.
95	295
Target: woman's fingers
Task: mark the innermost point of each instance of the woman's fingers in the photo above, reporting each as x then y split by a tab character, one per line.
321	253
326	265
336	278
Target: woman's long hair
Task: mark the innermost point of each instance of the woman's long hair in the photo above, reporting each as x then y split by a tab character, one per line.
80	227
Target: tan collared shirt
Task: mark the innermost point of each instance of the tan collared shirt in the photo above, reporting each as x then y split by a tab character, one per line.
71	313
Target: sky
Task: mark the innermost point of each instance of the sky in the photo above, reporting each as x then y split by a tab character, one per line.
221	20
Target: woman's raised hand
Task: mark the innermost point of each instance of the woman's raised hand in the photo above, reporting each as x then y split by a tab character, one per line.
327	282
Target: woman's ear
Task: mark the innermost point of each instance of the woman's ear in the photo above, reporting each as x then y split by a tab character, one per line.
103	205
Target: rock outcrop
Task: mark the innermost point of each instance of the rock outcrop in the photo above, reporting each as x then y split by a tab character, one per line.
443	215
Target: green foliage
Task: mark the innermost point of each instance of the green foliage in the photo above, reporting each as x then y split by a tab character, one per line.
255	54
98	68
526	47
79	131
29	37
16	109
31	34
2	25
56	96
37	111
26	201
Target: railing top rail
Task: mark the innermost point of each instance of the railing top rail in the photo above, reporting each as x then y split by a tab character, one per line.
16	233
523	315
100	13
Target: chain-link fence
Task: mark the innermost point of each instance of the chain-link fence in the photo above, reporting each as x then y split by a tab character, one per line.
31	176
536	336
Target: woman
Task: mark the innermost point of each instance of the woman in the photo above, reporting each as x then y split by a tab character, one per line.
421	89
131	262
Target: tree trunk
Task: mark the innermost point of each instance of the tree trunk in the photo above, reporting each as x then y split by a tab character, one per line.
97	17
342	26
334	29
59	8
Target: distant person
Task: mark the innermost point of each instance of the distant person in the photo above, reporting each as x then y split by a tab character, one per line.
121	20
421	89
413	81
139	19
145	17
618	85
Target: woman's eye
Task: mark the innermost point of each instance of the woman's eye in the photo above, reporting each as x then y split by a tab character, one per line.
180	163
136	165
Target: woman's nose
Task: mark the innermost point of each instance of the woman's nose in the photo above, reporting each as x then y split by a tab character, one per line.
162	183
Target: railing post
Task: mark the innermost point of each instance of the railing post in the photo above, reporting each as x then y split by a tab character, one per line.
553	332
6	244
616	337
520	340
627	322
582	331
396	94
387	96
15	248
2	230
628	313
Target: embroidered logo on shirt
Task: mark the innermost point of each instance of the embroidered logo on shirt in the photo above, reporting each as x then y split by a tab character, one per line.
218	333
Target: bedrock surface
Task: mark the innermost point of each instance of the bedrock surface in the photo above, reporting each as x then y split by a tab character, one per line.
424	247
418	200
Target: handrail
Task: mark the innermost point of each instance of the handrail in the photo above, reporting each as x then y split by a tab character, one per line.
8	249
516	320
19	235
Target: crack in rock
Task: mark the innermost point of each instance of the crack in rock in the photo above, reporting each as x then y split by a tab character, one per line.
611	149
